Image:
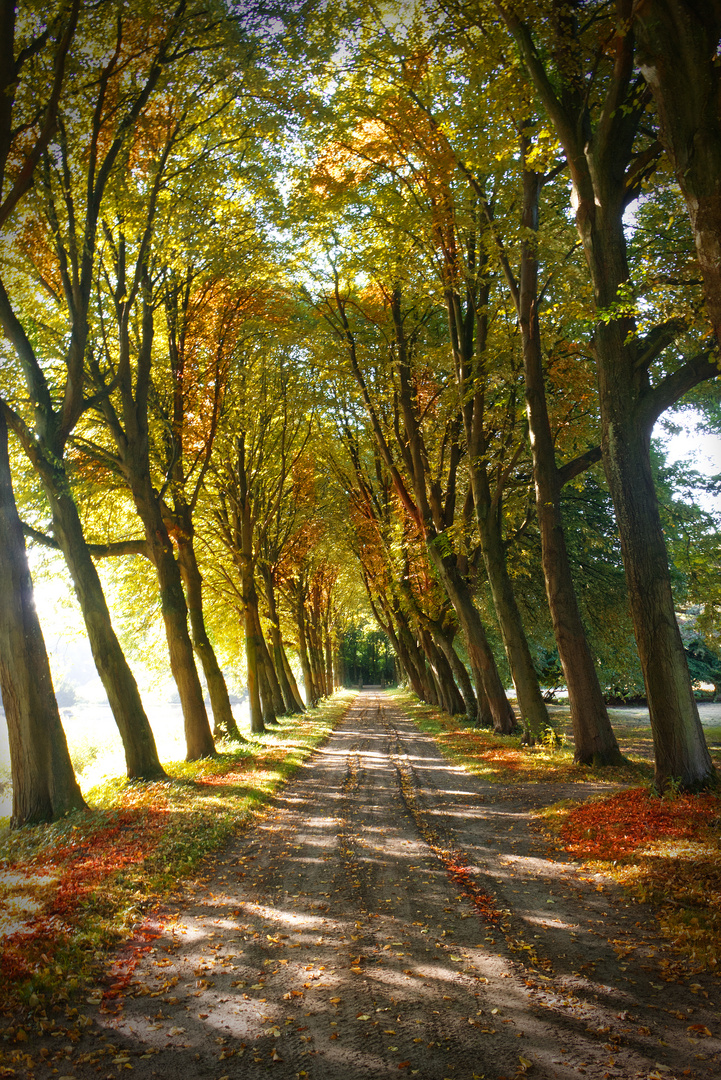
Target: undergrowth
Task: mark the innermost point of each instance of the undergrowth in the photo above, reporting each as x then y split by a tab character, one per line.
71	890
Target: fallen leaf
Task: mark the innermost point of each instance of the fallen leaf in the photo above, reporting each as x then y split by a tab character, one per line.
700	1029
525	1064
363	1016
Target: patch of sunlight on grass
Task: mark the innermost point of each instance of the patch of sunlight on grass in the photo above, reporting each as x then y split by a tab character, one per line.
503	758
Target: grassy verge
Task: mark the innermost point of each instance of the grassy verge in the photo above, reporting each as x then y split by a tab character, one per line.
501	759
663	851
71	890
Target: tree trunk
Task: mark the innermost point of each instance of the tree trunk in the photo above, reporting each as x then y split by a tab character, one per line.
198	736
443	641
266	695
677	52
680	748
315	655
300	707
251	654
275	704
224	721
489	689
311	698
291	698
602	163
141	755
414	659
451	700
329	681
594	739
44	784
534	714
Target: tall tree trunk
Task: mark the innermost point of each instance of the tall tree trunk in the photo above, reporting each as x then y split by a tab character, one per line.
679	744
141	754
451	700
680	748
266	694
198	736
444	642
415	659
604	173
44	784
329	681
594	739
251	655
276	703
291	698
315	655
534	714
311	698
224	721
489	689
678	42
285	663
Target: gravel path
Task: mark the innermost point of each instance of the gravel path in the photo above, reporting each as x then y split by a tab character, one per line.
394	916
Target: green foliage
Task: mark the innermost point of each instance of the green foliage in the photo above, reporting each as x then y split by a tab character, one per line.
366	655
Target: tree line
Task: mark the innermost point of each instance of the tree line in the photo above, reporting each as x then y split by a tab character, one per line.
299	303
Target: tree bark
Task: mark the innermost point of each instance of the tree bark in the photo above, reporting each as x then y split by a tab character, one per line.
489	689
43	779
291	698
257	725
198	736
534	714
311	697
444	642
276	705
224	721
300	707
677	52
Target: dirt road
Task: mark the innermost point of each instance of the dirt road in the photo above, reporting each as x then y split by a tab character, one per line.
393	916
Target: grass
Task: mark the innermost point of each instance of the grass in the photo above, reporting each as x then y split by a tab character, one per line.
71	890
663	851
502	759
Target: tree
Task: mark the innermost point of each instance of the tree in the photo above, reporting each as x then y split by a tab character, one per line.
677	52
609	158
44	784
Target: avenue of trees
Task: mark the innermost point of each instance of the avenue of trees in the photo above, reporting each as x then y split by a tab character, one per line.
333	313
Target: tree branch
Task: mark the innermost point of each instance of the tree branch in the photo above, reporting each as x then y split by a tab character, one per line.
578	465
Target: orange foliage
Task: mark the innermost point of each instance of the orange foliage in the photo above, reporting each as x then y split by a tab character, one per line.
617	826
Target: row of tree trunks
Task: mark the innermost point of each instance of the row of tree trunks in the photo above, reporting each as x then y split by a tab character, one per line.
606	174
